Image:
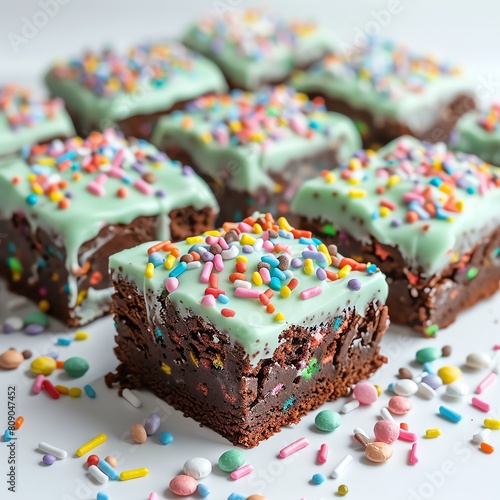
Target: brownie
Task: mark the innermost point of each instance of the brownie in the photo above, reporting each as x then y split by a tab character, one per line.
131	89
426	216
67	206
478	132
26	119
255	149
390	91
247	329
256	47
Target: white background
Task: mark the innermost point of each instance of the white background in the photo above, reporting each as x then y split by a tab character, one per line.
450	467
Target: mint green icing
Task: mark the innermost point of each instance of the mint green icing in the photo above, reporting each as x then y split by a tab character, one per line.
121	169
251	326
462	190
471	136
143	80
254	47
273	127
27	120
390	82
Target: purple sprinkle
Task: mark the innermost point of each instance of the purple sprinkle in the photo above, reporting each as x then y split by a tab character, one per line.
207	256
354	285
396	223
69	194
188	171
7	328
247	249
161	193
321	274
48	459
296	262
34	329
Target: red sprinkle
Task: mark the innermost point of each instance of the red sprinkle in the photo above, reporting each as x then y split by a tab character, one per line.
51	390
227	313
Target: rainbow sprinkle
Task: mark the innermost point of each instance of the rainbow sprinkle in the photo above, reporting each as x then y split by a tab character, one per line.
489	119
22	110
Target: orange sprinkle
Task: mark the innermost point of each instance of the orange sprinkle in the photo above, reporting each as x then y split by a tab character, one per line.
330	275
241	267
237	276
95	277
300	233
270	308
214	280
64	203
18	423
487	448
404	426
59	364
411	216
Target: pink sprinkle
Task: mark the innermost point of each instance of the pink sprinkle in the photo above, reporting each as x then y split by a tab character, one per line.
486	382
277	388
268	246
101	178
241	472
117	173
245	293
153	496
207	271
496	347
37	384
414	453
311	292
118	158
223	243
211	240
323	454
96	189
388	204
142	186
407	436
294	447
218	263
411	196
480	404
245	228
382	173
264	274
171	284
208	301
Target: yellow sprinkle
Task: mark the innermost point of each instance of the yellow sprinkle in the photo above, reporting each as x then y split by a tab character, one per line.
75	392
345	271
322	248
357	193
213	232
460	205
438	164
370	152
284	224
193	358
32	177
90	445
330	178
246	239
450	219
379	389
81	335
169	262
354	164
150	270
56	196
308	266
384	211
432	433
491	423
217	362
279	317
47	161
206	137
277	188
455	257
192	240
445	188
257	229
62	389
285	291
55	277
44	305
301	97
166	368
16	276
37	189
133	474
393	180
257	278
257	136
235	127
241	258
81	295
353	182
157	164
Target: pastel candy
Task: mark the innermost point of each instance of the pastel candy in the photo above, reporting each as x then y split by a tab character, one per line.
477	360
433	381
231	460
428	354
138	433
327	420
44	365
183	485
11	359
197	468
399	405
76	367
449	374
405	387
152	424
365	393
386	431
457	389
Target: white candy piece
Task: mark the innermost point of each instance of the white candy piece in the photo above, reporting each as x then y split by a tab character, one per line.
52	450
457	390
426	391
387	415
478	360
98	474
15	323
197	467
131	398
341	466
479	437
405	387
351	405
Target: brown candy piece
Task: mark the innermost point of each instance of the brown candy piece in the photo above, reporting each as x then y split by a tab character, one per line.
11	359
446	351
404	373
378	452
138	433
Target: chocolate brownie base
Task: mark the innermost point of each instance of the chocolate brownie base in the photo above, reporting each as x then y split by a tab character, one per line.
421	302
33	261
374	132
191	365
236	205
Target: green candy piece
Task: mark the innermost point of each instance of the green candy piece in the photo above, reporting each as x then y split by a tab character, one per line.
327	420
36	317
428	354
76	367
231	460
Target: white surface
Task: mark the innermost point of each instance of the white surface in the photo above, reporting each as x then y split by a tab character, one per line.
451	466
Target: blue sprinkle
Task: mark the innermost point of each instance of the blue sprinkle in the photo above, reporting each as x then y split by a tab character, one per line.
63	341
236	496
317	242
223	298
305	241
12	248
102	496
278	273
337	324
203	490
166	438
318	256
429	368
450	414
436	181
156	259
318	479
375	215
275	284
391	386
8	435
89	390
66	156
271	260
32	199
288	403
177	270
285	234
159	335
371	268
